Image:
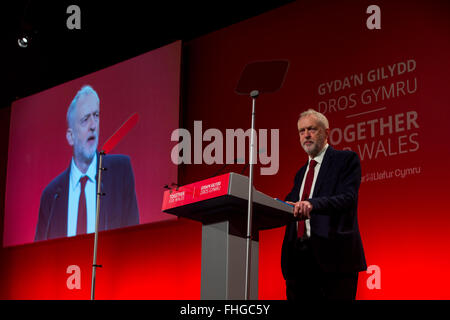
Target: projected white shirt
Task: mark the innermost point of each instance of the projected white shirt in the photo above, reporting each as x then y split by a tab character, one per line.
74	197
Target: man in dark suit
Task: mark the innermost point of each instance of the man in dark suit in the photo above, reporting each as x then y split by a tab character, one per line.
322	253
68	203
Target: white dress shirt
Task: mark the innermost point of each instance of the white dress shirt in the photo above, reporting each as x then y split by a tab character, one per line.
319	159
74	197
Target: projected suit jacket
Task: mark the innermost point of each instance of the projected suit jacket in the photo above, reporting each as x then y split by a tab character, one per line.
118	207
335	238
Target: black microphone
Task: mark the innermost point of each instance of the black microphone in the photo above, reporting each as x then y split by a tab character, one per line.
223	167
260	151
245	167
172	184
50	217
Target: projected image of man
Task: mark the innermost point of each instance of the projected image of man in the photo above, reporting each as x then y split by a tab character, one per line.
68	203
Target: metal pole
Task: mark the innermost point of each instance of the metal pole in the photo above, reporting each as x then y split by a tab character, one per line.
254	94
97	214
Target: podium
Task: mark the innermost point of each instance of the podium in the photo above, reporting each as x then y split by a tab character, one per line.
220	204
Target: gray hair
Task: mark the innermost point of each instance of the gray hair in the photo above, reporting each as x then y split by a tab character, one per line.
85	90
319	116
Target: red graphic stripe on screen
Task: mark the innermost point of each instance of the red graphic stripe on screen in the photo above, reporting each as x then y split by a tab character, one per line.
120	133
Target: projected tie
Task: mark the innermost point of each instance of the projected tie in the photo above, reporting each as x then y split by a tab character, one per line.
82	212
305	195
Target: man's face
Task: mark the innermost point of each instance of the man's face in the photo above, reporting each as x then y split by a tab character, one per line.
313	136
84	128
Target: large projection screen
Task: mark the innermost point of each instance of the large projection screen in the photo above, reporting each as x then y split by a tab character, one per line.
39	151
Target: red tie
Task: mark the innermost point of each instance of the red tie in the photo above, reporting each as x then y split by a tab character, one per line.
306	191
82	215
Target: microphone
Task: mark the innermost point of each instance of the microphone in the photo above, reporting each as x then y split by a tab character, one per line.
171	188
245	167
260	151
172	184
224	166
50	217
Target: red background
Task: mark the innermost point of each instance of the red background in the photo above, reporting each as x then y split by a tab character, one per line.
403	222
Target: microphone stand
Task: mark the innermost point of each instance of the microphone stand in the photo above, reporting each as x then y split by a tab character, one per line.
97	214
254	94
107	147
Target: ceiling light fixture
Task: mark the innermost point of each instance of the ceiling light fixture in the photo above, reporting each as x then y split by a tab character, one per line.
23	41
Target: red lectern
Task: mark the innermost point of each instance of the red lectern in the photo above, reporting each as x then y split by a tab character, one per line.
220	204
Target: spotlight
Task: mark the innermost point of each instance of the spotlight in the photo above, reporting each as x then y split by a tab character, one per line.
23	41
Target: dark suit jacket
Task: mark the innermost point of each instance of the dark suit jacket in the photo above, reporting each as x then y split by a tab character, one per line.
335	238
118	207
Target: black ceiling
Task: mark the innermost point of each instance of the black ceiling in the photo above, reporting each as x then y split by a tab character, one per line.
111	32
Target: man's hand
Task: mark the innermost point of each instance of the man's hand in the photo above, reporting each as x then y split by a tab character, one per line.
302	209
